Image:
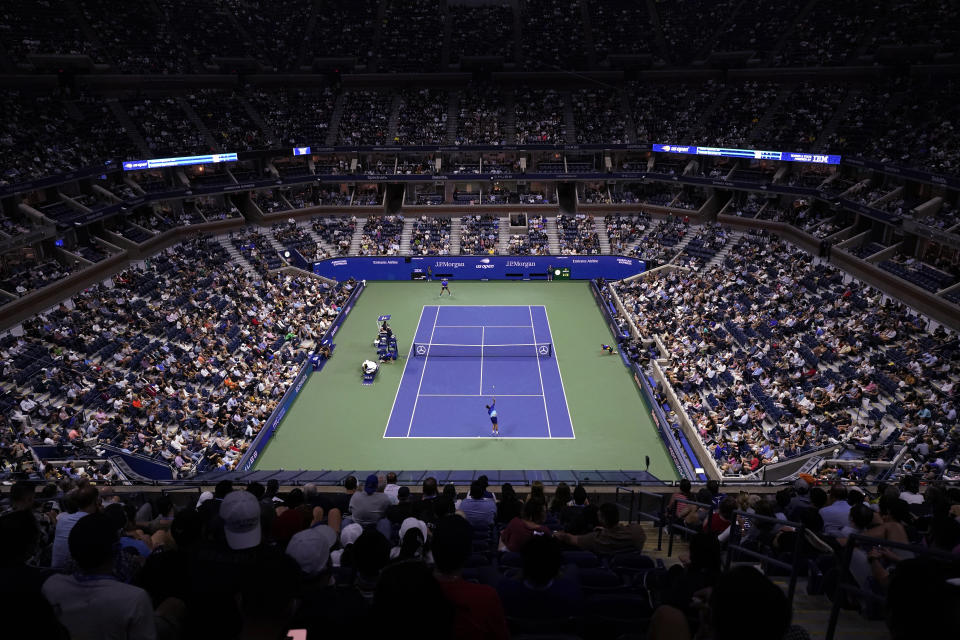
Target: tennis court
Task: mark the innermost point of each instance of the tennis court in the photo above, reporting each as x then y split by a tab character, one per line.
462	356
337	422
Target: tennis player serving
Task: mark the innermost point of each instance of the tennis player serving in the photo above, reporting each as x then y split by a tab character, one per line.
492	412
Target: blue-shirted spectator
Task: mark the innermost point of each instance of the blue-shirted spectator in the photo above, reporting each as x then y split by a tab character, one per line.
479	511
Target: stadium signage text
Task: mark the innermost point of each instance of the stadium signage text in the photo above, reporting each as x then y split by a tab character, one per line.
477	267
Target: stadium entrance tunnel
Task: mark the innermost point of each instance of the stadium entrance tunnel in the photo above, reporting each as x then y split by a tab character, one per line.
567	197
394	198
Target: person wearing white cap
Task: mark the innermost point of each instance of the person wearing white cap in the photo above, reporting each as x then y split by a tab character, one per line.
413	539
240	513
311	548
348	536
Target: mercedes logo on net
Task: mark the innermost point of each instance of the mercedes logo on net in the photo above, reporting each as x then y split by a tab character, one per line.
421	349
544	350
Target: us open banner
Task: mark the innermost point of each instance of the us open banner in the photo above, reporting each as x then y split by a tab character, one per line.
479	267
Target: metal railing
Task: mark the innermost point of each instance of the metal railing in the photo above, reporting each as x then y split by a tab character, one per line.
673	527
635	508
734	546
849	585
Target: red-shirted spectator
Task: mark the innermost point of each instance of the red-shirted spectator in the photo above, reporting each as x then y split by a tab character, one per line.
479	612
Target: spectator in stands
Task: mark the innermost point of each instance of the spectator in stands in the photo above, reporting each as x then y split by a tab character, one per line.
402	589
426	507
579	517
26	613
369	506
510	506
685	493
836	514
311	549
92	603
722	518
293	516
391	489
910	490
479	511
610	536
86	500
519	530
921	603
414	542
397	513
479	612
683	582
541	592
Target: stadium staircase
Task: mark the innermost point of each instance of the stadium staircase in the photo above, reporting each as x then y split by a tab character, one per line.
257	120
586	23
279	248
553	234
303	63
721	255
509	117
453	115
504	245
357	236
641	241
132	131
780	102
629	126
602	235
823	139
684	241
445	41
335	119
197	122
235	256
316	238
455	231
655	26
785	36
394	118
405	236
569	122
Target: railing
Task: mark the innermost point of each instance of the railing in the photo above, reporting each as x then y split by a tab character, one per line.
849	586
734	546
635	504
673	526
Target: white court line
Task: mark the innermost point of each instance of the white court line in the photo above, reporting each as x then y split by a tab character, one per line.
480	395
491	438
556	361
425	359
482	326
540	372
404	373
482	332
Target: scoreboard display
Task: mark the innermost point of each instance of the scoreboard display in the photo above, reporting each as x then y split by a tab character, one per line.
561	273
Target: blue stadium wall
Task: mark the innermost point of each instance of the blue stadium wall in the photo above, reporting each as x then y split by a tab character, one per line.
478	267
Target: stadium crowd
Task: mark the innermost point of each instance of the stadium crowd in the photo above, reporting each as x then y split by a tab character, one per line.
479	235
774	354
179	359
430	236
93	560
381	236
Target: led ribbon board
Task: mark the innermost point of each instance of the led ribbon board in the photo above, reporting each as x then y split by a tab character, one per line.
160	163
753	154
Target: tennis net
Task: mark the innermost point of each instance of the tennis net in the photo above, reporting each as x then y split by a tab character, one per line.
535	350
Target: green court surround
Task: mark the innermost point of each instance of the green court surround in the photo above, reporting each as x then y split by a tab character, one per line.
337	423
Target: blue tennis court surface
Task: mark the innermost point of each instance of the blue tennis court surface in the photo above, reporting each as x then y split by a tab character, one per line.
461	356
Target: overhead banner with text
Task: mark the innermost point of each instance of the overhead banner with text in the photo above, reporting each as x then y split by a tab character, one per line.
479	267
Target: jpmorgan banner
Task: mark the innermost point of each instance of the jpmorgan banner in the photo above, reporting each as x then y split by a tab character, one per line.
478	267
